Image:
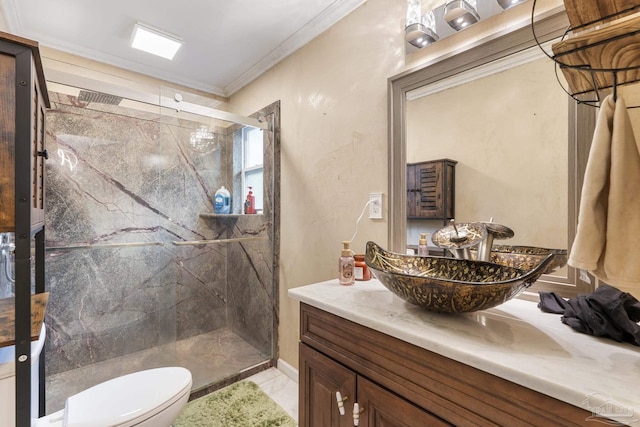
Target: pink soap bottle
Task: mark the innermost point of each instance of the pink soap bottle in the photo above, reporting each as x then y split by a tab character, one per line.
346	265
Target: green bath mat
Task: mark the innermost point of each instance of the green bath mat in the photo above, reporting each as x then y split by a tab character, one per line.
242	404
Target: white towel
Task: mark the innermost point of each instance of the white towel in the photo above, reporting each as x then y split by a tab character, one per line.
607	242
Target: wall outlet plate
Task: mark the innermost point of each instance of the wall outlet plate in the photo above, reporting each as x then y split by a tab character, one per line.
375	205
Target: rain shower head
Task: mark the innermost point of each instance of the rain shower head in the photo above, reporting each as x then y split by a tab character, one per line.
98	98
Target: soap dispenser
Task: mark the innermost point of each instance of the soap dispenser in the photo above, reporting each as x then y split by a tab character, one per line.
346	265
222	201
423	250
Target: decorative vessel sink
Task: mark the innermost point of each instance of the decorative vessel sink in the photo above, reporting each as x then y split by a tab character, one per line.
528	257
449	285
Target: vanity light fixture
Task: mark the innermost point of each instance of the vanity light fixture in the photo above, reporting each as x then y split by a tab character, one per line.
420	30
507	4
154	41
460	14
421	34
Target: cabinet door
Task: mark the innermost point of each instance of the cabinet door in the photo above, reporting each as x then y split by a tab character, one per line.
430	196
37	157
381	408
424	190
320	378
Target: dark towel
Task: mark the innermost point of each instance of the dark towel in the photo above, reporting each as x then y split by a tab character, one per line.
552	303
607	312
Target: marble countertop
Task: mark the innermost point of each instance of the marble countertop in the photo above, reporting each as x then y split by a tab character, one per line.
514	341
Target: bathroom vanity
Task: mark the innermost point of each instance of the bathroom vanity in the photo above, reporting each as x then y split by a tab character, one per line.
512	365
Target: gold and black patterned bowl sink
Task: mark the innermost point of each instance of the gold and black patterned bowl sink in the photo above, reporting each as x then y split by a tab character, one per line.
527	257
449	285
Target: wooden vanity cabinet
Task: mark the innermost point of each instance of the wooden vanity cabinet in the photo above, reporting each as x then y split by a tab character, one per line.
397	384
23	101
322	377
431	189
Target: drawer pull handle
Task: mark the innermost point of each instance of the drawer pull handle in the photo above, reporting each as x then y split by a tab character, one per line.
340	401
356	414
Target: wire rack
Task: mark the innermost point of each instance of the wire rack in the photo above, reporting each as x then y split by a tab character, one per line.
598	56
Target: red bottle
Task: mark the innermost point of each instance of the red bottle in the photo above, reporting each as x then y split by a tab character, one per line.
250	203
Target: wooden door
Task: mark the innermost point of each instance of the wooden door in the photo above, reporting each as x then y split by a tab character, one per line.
381	408
320	378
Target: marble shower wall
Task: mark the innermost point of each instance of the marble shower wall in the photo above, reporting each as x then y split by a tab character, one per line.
122	186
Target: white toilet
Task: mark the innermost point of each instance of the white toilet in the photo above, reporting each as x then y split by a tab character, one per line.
151	398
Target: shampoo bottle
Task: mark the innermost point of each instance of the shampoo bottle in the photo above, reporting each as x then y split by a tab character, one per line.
422	245
346	265
222	201
250	203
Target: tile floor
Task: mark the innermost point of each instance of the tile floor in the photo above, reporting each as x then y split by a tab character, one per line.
282	389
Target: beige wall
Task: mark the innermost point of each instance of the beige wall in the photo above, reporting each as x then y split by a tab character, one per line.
333	95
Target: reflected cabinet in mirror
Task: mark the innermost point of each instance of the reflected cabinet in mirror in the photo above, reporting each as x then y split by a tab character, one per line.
519	140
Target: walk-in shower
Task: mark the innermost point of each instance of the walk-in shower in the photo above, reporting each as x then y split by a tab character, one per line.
140	272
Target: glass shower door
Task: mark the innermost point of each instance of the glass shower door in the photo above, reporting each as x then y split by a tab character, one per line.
219	270
111	282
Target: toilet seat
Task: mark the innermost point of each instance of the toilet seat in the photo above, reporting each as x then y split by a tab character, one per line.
127	400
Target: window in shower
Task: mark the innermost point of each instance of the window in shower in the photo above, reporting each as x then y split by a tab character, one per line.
252	165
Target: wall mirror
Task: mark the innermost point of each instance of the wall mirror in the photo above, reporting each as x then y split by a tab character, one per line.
521	143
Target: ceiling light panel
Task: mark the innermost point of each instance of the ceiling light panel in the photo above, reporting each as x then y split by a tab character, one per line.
154	41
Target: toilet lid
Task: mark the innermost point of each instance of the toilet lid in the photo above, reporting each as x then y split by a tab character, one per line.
127	400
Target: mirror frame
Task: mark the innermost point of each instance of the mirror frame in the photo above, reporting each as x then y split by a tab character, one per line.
482	52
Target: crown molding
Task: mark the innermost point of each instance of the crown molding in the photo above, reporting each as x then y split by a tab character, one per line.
325	20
